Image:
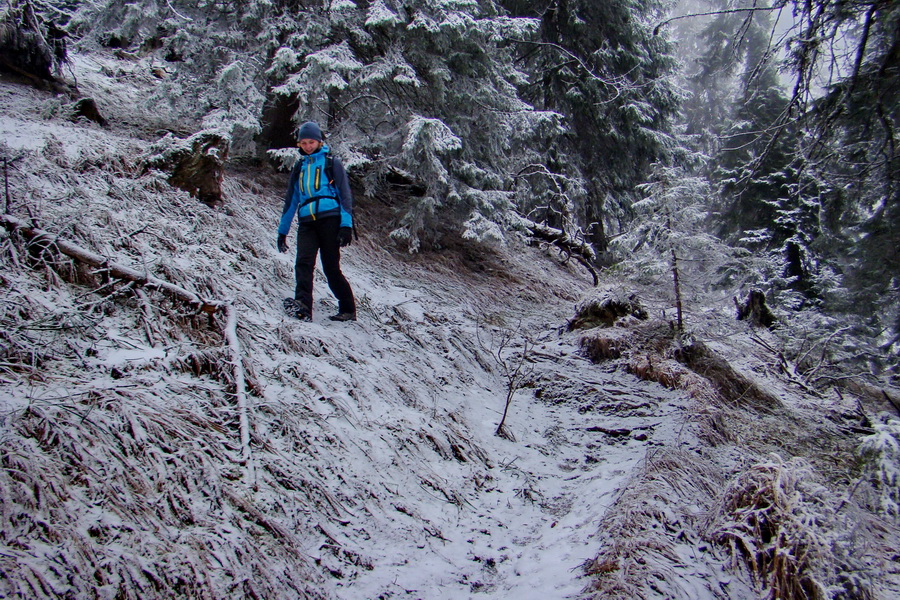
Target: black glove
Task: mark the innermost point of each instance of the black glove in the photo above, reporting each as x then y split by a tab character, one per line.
345	236
282	243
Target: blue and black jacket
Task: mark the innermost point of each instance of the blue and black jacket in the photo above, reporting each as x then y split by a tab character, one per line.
316	191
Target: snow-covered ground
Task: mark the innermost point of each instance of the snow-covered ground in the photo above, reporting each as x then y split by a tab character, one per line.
375	469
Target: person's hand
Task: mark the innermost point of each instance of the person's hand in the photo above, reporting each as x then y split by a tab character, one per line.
345	236
282	243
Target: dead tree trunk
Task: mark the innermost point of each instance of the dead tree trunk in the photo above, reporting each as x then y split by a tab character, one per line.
679	314
569	246
755	310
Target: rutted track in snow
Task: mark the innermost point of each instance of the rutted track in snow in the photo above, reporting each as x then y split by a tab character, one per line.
457	511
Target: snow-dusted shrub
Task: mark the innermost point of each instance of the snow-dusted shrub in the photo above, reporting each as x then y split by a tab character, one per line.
668	241
643	529
880	453
778	524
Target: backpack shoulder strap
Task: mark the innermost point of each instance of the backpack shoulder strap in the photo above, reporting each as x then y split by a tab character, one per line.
329	167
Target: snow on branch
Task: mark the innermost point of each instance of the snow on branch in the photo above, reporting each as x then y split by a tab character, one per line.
578	249
40	236
34	234
234	347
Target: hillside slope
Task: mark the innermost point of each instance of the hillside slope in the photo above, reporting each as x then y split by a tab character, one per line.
360	460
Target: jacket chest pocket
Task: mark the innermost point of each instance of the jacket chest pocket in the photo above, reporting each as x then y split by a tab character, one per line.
311	180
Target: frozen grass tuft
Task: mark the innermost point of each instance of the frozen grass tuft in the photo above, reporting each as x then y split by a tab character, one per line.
776	521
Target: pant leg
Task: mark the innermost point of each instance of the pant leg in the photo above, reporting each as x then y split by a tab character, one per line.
331	264
304	267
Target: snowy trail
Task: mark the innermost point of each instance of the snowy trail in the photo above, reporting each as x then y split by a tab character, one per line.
523	527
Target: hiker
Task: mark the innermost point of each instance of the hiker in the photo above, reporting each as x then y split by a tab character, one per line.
319	192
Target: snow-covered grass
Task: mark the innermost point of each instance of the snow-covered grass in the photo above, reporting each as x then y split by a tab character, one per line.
374	469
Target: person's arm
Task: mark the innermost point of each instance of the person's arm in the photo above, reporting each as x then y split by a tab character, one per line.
290	202
342	183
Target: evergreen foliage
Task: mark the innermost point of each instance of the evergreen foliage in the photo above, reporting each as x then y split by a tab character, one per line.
804	165
558	110
600	65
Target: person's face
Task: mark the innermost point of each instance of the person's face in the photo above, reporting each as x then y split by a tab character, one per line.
309	146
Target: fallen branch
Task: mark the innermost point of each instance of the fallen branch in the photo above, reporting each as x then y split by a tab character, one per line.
580	250
237	364
147	312
36	235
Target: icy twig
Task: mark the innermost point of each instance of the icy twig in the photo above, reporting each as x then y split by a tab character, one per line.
234	347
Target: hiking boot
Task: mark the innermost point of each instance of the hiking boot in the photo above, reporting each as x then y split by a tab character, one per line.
344	316
297	309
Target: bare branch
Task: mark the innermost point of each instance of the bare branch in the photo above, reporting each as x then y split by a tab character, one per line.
716	12
237	364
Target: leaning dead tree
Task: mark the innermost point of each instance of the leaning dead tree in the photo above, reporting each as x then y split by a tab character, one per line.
569	246
47	241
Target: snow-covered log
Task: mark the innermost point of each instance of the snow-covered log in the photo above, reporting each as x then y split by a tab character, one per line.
577	249
36	235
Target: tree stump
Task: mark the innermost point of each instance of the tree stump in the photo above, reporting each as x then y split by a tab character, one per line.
196	164
605	310
755	310
87	108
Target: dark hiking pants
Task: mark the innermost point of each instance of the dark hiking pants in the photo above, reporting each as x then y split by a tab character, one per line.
321	236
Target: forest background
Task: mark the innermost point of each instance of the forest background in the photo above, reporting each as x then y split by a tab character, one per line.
159	414
752	144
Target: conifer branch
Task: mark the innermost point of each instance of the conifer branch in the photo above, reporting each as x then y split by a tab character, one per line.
662	24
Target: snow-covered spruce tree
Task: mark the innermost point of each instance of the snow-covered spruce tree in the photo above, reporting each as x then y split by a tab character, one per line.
880	454
806	168
374	72
425	90
853	148
668	246
600	65
208	56
707	73
753	157
769	199
428	91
